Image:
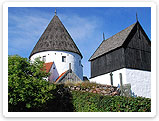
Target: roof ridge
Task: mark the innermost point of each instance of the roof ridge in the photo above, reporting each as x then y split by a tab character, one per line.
121	31
124	29
112	37
61	76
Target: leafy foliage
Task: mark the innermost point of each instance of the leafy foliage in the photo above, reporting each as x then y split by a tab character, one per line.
89	102
62	101
27	89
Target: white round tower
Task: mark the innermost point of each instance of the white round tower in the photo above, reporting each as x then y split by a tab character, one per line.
56	45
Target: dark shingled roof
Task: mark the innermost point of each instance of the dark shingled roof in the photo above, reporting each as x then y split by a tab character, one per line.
113	42
55	37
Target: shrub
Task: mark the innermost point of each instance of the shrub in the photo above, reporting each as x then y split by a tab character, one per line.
27	89
62	101
89	102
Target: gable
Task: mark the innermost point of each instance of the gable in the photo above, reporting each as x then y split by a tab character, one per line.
138	39
47	67
127	37
113	42
68	76
60	76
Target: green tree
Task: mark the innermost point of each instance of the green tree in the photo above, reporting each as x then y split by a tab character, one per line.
27	88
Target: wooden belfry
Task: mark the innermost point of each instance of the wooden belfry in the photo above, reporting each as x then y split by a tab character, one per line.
120	50
127	52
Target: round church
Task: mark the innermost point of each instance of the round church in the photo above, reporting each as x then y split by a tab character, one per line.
59	52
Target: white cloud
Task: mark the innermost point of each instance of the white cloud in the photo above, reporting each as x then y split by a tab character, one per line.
24	31
79	27
27	24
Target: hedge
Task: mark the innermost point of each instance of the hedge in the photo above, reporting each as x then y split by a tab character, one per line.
76	101
89	102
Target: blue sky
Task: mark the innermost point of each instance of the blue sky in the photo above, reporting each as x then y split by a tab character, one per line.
85	25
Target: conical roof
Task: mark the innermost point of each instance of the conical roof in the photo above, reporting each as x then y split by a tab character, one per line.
55	38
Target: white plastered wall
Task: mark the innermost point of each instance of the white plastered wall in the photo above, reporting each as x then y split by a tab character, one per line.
140	80
53	73
56	57
105	78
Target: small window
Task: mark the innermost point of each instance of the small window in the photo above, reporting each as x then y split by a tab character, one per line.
63	58
44	58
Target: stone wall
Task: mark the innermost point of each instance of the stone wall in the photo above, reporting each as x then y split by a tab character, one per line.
105	78
140	82
99	89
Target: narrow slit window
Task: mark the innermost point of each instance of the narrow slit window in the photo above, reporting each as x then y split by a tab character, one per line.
44	58
63	58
